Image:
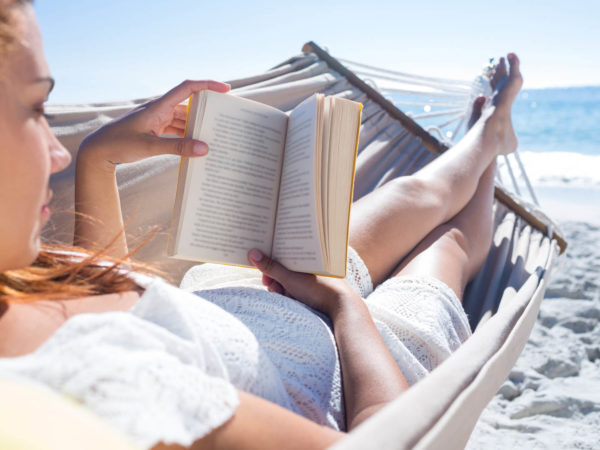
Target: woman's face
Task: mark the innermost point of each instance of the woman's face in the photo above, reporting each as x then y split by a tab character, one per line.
29	152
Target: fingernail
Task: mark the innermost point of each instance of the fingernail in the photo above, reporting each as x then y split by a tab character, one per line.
255	255
200	149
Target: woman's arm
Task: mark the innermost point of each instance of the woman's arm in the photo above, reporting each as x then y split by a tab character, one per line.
135	136
98	218
370	376
259	424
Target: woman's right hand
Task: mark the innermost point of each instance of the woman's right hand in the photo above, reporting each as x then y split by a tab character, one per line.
324	294
138	134
133	137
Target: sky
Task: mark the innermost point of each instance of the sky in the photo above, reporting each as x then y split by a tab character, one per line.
107	50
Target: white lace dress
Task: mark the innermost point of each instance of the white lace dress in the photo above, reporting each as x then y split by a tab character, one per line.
168	369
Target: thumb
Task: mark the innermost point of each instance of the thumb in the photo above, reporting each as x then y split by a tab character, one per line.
273	269
265	264
177	146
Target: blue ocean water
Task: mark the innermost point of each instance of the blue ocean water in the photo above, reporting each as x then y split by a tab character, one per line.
559	120
558	131
559	143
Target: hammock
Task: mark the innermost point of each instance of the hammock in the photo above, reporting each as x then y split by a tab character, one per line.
502	301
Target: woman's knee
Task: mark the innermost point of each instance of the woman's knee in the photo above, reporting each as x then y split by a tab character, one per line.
475	246
421	193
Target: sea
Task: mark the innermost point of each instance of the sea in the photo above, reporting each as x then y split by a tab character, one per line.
559	135
559	143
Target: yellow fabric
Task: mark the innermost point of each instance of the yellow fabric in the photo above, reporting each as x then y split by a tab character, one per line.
34	418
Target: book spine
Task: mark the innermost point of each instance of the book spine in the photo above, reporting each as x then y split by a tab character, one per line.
172	231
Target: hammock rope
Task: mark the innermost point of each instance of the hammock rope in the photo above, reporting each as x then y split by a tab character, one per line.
433	94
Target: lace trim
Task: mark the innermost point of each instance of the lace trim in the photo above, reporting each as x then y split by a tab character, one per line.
424	314
357	274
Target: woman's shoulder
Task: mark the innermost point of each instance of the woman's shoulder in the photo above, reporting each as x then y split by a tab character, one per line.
26	326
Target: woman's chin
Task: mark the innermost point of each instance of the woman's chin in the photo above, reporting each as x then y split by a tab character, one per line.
22	260
31	253
22	244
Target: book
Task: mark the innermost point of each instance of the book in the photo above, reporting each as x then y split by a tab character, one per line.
278	182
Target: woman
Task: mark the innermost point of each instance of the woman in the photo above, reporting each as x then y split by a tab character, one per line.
220	368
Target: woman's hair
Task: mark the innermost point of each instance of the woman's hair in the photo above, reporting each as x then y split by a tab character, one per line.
59	272
7	24
62	272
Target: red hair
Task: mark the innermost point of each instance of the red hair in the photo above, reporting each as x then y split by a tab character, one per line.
62	272
7	32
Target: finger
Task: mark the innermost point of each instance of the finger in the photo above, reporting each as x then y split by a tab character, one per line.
272	285
168	128
187	88
172	131
276	287
267	280
180	112
274	270
180	146
178	123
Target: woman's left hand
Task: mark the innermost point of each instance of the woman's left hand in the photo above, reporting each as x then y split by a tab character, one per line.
137	135
370	376
327	295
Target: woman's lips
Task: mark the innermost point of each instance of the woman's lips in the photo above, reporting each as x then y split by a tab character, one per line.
46	212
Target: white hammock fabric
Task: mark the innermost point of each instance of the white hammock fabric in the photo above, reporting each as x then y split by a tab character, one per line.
502	301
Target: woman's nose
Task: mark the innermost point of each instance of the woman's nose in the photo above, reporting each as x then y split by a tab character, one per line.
60	157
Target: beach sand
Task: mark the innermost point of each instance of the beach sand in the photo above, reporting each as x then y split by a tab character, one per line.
551	399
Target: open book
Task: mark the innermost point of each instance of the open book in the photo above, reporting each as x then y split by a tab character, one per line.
278	182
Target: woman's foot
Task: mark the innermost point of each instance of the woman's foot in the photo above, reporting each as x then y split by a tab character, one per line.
506	84
476	110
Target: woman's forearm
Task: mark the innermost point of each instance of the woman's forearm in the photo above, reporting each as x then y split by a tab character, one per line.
98	218
370	376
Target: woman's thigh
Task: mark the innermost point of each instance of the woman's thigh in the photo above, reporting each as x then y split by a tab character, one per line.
389	222
443	255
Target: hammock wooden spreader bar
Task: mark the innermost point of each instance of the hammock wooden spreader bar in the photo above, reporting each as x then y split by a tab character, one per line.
430	142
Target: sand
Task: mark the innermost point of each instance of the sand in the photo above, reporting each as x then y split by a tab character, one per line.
551	399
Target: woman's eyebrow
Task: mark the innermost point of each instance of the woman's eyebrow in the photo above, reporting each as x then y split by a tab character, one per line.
46	80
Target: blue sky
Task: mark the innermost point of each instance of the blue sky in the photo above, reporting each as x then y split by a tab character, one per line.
121	49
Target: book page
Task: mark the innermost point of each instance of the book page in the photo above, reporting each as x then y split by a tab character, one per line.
344	129
296	243
233	190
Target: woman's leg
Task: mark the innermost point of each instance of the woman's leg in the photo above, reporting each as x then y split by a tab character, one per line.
389	222
454	251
